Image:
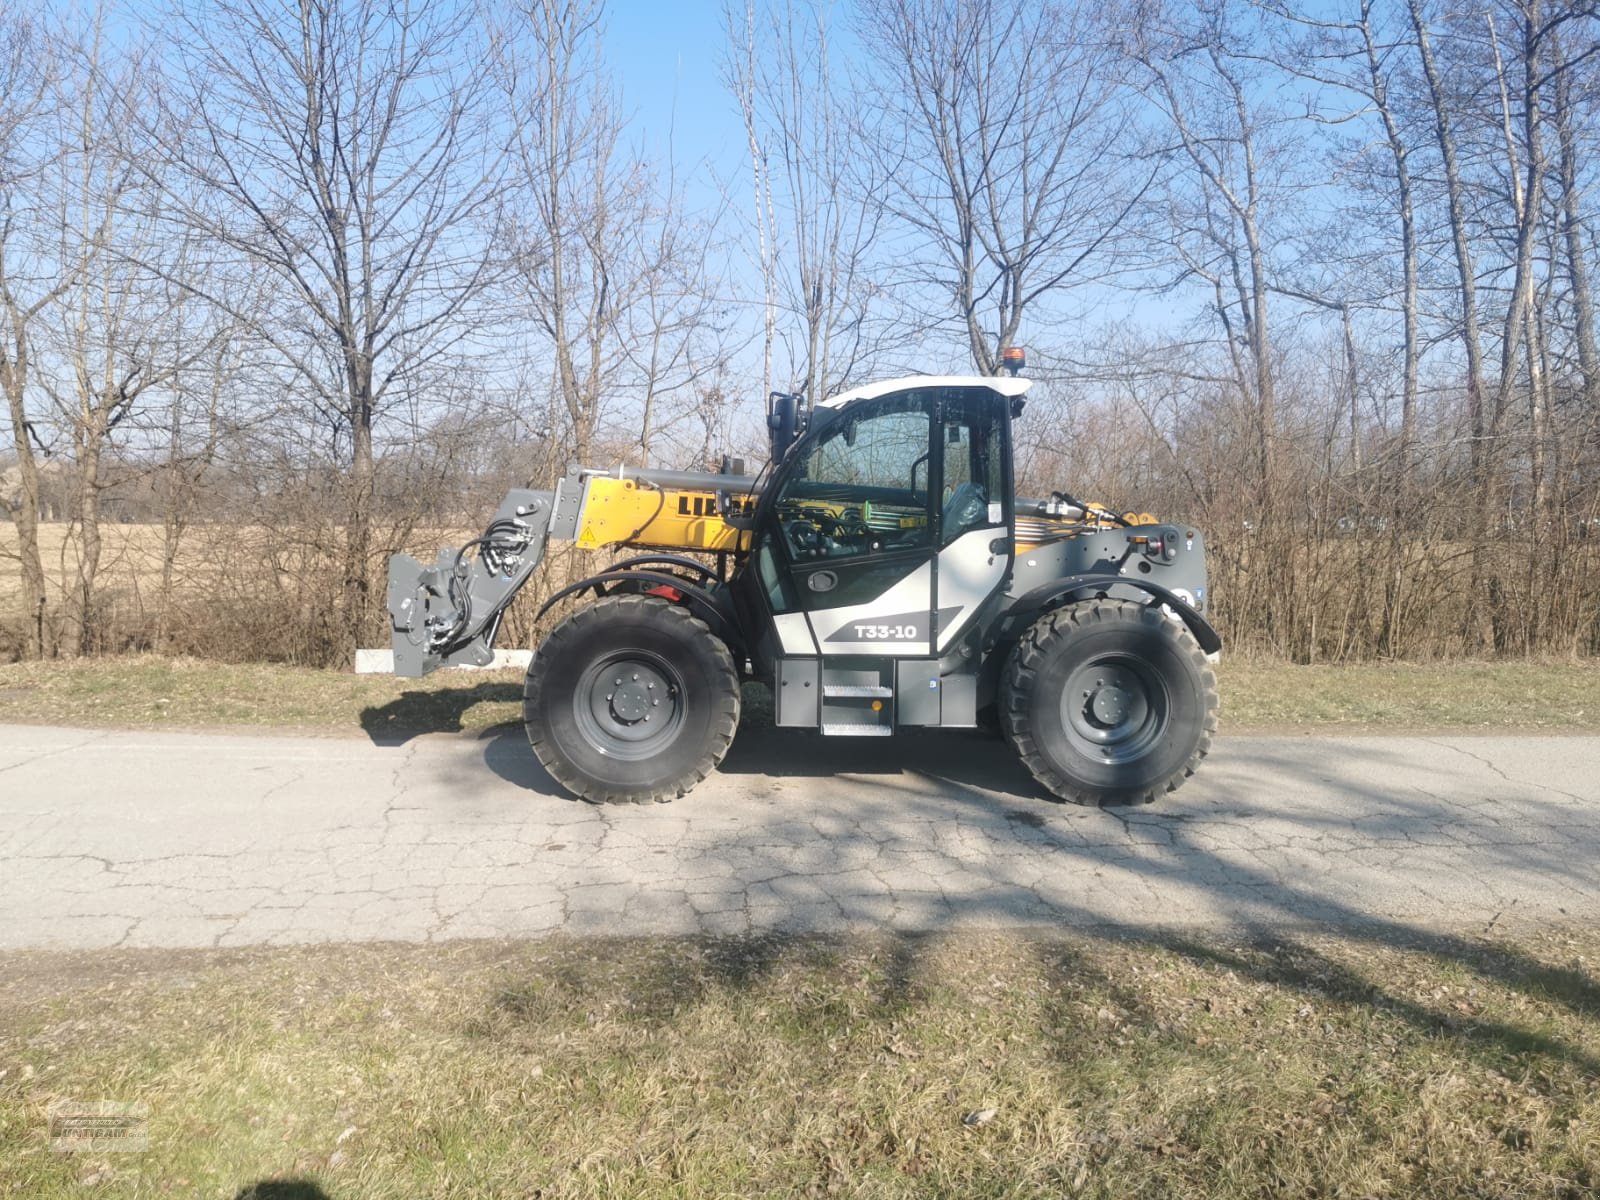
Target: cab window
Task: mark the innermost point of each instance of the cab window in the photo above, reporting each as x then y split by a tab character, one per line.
970	454
863	487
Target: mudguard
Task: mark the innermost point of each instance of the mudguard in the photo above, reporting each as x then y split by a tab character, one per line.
1030	606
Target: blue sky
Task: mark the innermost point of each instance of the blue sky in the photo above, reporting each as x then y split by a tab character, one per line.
668	62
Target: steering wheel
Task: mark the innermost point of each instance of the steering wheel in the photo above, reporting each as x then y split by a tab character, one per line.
965	509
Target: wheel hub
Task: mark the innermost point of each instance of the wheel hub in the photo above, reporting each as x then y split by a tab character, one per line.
1110	705
630	702
628	705
1114	708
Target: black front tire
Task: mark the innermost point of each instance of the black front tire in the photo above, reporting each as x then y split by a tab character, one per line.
1109	702
631	700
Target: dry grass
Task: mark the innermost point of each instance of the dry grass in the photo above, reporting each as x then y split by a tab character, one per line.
144	690
238	592
139	691
812	1066
1541	696
130	562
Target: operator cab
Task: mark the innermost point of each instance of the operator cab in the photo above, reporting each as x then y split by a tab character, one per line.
884	534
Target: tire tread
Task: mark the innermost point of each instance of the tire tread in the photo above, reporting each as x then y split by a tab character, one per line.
724	717
1041	641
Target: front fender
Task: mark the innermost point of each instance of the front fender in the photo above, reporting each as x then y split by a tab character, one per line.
1030	606
697	599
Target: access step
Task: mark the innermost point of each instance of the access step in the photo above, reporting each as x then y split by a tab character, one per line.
855	691
858	729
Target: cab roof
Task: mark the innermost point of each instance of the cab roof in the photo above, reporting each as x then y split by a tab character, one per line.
1004	385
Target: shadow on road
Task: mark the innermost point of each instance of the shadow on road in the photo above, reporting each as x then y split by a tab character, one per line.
964	757
506	752
1200	843
1197	842
438	711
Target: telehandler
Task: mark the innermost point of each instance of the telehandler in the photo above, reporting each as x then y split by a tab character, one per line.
878	573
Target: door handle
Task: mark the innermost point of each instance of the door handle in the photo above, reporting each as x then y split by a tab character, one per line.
822	581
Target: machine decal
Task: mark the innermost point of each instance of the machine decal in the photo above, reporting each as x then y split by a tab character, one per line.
898	627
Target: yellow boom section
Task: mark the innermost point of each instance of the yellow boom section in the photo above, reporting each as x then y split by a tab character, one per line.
625	512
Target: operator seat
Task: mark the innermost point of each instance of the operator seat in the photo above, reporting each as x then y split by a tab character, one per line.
964	510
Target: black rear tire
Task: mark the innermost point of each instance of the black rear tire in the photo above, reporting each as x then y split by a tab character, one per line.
631	700
1109	702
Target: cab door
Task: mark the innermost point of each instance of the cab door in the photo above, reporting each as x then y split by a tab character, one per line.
888	530
845	545
974	517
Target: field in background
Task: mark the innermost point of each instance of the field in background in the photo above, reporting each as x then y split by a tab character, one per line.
238	592
130	562
271	593
973	1065
145	690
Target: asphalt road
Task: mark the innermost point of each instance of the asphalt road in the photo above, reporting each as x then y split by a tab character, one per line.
175	840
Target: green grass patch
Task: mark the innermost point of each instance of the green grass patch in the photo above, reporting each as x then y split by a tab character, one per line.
144	691
1257	696
1553	696
973	1065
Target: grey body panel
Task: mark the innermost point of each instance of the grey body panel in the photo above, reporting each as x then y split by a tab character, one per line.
797	696
958	701
917	691
1109	553
897	622
971	568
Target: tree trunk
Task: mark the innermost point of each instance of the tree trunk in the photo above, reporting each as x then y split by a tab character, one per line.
82	634
1479	619
1572	230
358	517
1404	490
25	514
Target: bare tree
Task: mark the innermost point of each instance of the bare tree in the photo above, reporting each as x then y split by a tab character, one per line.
743	75
30	280
1361	58
110	333
1011	136
818	239
606	264
349	149
1569	156
1202	92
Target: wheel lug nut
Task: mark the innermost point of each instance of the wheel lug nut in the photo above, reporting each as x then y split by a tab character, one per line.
636	677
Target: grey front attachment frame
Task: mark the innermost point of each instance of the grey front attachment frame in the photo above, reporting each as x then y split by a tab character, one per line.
448	615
